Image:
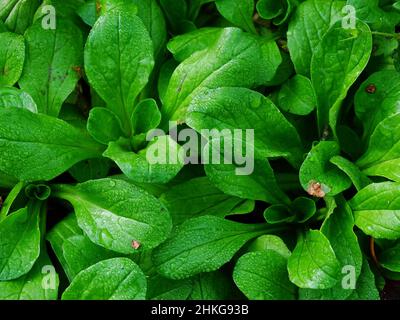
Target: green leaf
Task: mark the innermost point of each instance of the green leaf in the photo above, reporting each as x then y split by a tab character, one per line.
114	213
160	288
153	19
90	169
12	56
270	242
297	96
221	64
313	263
365	287
376	99
382	157
308	26
241	109
239	12
118	61
48	145
202	244
21	16
358	178
53	61
263	276
158	163
338	229
373	13
87	12
183	46
80	253
377	210
13	97
197	197
318	176
112	279
146	116
259	185
390	258
66	228
268	9
30	286
104	126
19	242
211	286
337	62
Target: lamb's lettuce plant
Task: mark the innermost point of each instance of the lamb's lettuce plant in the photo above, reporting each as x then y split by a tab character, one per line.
109	107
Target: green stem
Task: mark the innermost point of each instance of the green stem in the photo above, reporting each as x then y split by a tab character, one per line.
387	35
10	199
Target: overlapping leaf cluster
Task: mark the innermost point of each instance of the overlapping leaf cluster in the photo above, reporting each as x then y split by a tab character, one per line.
85	215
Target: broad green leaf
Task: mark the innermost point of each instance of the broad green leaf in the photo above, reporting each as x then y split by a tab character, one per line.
66	228
358	178
377	98
153	19
53	61
263	276
13	97
118	61
239	12
382	157
365	286
297	96
104	126
12	56
90	169
87	12
377	210
240	109
31	285
49	146
212	286
160	162
21	16
197	197
270	242
318	176
313	263
390	258
6	7
175	11
259	185
338	229
236	59
373	13
202	244
80	253
183	46
112	279
308	26
114	213
145	117
19	242
160	288
337	62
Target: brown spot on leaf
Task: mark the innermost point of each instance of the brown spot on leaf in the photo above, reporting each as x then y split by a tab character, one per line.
371	89
315	189
98	7
135	244
78	70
